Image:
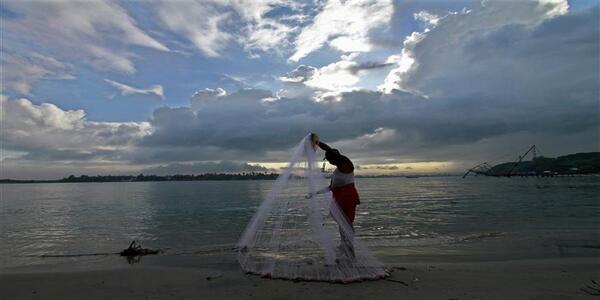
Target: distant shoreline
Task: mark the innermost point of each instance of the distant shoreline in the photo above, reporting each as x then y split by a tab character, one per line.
150	178
200	177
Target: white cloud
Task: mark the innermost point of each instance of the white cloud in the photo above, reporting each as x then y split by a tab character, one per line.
293	83
427	17
351	44
380	137
19	70
553	8
345	75
421	54
267	35
105	59
335	76
81	30
197	21
47	128
404	62
211	25
263	32
344	26
155	90
301	74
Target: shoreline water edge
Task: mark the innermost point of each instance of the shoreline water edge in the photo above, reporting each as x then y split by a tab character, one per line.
439	238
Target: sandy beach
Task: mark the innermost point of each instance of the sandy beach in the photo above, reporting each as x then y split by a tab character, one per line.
560	278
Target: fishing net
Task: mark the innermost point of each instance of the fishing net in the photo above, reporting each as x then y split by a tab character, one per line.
294	235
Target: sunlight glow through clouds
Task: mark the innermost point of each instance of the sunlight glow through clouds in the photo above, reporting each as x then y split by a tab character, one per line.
392	168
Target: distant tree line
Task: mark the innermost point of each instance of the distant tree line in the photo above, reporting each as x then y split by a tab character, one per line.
142	178
177	177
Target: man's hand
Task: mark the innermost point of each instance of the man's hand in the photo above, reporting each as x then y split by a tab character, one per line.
314	139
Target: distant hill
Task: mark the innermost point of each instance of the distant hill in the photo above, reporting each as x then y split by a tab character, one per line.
579	163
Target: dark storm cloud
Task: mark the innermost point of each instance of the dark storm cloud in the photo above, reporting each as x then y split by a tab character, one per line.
514	60
144	155
510	79
68	155
368	66
242	121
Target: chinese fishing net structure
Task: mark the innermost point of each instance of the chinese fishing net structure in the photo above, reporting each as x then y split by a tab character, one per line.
301	235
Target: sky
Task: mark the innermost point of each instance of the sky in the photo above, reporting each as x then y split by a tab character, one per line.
194	86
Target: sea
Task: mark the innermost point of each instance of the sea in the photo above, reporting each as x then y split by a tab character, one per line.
83	226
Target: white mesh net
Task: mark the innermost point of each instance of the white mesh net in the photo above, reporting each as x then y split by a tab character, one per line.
293	236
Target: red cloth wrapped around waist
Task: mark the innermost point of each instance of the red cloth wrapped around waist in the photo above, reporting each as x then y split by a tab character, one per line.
346	197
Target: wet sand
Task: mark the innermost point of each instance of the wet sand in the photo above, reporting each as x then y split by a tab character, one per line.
560	278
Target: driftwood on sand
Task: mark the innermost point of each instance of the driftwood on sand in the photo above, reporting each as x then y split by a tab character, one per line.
592	289
136	249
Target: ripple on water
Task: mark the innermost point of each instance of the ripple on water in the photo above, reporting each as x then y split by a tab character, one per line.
406	216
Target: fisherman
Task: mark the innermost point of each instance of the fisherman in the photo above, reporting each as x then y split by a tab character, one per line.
343	189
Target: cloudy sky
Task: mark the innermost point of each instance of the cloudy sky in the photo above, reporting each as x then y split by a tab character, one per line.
116	87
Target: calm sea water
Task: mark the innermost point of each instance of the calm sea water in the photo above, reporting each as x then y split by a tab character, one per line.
401	219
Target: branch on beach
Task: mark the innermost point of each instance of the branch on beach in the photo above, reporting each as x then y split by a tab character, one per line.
135	251
396	281
593	289
388	273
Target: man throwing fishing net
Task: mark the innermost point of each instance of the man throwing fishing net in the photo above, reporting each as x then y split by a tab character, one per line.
293	238
342	187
